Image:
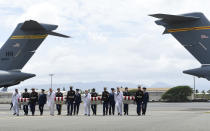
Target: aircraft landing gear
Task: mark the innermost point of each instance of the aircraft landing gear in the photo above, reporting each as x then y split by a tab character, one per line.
4	89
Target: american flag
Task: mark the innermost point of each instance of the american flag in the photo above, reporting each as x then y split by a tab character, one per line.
16	45
204	37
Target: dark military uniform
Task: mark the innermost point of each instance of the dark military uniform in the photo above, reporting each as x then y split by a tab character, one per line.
145	100
105	99
70	101
33	100
138	99
25	107
77	101
126	93
59	106
94	106
42	101
111	103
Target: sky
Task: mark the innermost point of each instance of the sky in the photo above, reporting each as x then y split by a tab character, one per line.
112	40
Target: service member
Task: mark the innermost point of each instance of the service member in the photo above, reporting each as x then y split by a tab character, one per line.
15	97
94	106
105	100
87	100
25	95
51	101
33	100
70	101
126	93
112	102
145	100
59	106
119	101
138	99
42	101
77	101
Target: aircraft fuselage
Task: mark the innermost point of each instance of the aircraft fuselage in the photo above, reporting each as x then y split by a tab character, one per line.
9	78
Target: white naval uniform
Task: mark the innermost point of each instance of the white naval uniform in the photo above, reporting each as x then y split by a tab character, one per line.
51	102
15	97
119	101
87	99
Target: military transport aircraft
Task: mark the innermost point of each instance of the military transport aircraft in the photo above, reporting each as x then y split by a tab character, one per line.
192	30
19	48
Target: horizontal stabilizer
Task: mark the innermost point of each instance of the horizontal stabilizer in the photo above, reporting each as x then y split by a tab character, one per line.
58	34
174	18
32	26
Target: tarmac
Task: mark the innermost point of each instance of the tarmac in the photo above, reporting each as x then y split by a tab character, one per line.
159	117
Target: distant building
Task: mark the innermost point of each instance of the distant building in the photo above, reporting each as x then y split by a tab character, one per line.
154	93
5	97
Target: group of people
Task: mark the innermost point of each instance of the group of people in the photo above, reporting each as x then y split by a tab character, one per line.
115	99
73	100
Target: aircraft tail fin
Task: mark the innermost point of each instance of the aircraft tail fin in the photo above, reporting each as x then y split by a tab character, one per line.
192	30
23	43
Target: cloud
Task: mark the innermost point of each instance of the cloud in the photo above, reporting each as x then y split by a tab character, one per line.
111	40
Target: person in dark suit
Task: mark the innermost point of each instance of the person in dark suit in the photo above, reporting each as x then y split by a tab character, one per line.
126	93
59	106
112	102
42	101
105	100
139	99
145	101
77	101
33	100
25	107
70	101
94	106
